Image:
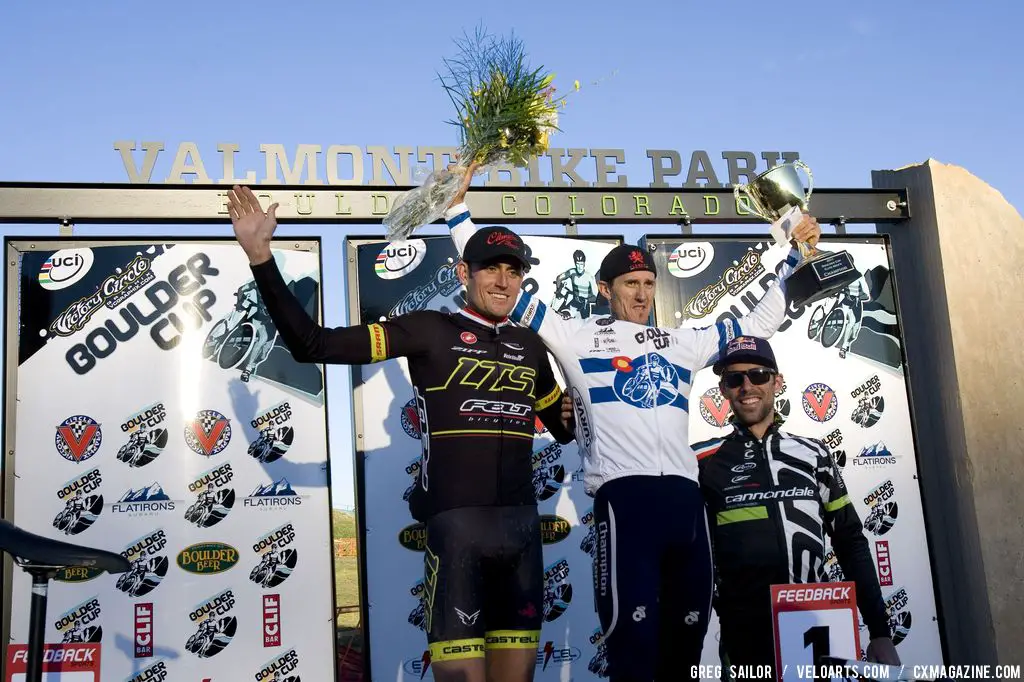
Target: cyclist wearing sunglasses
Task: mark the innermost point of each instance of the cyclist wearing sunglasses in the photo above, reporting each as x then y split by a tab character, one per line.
630	389
771	498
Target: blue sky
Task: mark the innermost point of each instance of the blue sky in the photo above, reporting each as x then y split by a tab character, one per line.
852	87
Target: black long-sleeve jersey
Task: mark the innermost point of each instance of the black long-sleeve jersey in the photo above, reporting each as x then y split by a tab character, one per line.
770	501
478	387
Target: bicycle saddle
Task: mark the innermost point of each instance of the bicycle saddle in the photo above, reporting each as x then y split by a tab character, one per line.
36	550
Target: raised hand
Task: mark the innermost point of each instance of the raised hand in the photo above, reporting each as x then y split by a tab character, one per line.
807	230
467	179
253	228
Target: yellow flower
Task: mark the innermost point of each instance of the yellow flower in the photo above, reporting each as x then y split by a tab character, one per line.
576	84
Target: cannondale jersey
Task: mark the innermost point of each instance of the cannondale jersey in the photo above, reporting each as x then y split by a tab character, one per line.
630	383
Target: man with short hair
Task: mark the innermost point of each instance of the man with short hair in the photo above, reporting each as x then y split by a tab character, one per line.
772	496
630	386
478	382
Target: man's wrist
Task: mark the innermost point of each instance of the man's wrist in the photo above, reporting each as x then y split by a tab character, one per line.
455	210
259	256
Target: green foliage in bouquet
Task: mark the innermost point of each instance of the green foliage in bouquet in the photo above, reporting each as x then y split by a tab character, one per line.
506	109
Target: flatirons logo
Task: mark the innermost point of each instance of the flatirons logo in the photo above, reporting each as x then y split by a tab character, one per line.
78	625
557	590
280	668
213	498
553	528
146	501
208	433
714	408
276	495
872	456
275	434
148	564
216	625
278	557
820	402
207	558
78	438
82	505
146	438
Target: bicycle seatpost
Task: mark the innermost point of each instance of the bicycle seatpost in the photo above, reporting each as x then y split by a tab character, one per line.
37	625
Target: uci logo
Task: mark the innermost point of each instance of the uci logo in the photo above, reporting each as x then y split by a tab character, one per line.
690	259
64	268
400	258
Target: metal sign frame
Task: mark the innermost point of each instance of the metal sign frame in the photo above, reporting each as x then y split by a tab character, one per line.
13	247
117	203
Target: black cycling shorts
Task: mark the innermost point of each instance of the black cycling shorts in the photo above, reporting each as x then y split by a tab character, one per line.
484	581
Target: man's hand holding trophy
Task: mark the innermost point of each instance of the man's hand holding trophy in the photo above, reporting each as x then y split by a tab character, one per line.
778	196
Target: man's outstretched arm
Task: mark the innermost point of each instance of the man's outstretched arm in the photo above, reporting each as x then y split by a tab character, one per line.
307	340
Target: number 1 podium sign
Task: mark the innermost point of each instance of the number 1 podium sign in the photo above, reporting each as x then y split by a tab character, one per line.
63	662
813	620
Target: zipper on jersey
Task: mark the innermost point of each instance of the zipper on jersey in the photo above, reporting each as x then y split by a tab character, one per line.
775	512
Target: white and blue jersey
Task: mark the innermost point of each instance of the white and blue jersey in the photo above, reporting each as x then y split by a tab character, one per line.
630	383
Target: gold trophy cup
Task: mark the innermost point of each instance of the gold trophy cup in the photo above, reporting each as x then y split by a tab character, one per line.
772	195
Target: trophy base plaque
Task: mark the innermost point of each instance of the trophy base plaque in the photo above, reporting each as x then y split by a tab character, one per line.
820	276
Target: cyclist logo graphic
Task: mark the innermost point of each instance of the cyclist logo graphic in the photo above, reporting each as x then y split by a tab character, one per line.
646	381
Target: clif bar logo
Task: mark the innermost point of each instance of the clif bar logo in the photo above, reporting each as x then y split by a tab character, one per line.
271	620
143	630
884	564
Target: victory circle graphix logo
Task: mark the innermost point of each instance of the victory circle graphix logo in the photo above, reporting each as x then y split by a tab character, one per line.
208	434
78	438
820	402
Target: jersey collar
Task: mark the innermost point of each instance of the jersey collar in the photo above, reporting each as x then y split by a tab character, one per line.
480	319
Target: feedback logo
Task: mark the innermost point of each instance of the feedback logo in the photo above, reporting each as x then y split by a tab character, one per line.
143	630
813	594
271	620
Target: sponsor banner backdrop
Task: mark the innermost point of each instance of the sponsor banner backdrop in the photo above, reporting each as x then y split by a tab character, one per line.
160	416
420	274
842	363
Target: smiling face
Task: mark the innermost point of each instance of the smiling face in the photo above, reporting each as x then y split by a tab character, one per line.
752	403
492	287
630	296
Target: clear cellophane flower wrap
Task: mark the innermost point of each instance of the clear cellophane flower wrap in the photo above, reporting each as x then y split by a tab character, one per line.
506	113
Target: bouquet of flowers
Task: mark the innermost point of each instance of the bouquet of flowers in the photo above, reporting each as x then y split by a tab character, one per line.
506	112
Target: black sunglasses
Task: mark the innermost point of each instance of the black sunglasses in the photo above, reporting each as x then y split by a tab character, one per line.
758	377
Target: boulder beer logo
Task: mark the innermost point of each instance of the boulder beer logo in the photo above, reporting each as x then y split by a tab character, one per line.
81	509
276	435
144	630
75	624
207	558
77	574
78	438
216	627
271	620
554	528
278	667
208	433
413	537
